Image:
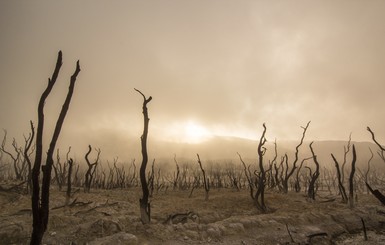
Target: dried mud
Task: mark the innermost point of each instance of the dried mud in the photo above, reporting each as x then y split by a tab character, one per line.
228	217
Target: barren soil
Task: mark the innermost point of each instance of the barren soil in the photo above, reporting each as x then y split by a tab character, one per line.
228	217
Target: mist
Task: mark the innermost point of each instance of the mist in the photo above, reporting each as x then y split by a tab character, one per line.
224	67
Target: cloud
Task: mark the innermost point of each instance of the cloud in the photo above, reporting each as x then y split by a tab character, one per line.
227	65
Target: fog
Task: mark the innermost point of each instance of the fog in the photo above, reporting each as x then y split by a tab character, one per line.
213	68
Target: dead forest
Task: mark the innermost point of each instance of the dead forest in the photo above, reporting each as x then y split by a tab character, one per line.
37	175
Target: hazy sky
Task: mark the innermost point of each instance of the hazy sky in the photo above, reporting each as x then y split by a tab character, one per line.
212	67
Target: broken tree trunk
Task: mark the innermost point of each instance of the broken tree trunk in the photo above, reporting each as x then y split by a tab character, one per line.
376	193
351	179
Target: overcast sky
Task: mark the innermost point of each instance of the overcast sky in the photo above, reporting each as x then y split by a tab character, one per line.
212	67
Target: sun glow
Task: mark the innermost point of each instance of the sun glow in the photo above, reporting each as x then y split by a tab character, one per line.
190	132
194	133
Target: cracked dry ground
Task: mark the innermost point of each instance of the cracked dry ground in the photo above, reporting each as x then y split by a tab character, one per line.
228	217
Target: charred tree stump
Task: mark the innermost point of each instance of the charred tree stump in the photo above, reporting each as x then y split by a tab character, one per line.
145	208
40	201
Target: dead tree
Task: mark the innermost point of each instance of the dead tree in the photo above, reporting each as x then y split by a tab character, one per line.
91	168
272	181
28	144
341	187
132	181
195	184
151	177
14	156
297	184
40	201
120	175
314	176
176	176
145	208
278	176
260	193
206	182
248	176
351	179
69	184
346	151
288	174
377	194
368	170
60	170
381	151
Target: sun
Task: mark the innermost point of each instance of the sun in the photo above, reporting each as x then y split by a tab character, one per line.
185	131
194	132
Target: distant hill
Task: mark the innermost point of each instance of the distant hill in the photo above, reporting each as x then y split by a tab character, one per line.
226	148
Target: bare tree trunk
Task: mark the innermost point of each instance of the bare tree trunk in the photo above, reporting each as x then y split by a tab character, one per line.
151	178
340	184
15	158
248	177
205	181
40	205
176	177
346	151
91	169
145	208
29	141
311	190
297	185
68	193
260	194
368	170
381	152
285	181
351	178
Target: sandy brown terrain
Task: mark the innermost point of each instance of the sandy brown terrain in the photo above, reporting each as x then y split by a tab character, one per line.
229	217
